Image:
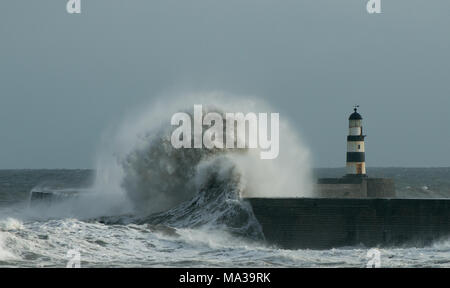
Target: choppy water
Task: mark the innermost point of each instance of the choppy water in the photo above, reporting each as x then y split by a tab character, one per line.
214	229
149	204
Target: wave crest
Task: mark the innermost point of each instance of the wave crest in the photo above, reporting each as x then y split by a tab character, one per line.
192	187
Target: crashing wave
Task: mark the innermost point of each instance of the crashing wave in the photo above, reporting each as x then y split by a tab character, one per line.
142	175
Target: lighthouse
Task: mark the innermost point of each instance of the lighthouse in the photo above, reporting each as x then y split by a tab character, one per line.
356	162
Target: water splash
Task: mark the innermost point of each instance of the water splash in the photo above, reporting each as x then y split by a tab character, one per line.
155	176
141	175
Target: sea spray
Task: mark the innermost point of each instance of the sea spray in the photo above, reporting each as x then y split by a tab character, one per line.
155	176
141	178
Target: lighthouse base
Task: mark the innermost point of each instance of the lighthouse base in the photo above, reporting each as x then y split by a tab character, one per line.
355	187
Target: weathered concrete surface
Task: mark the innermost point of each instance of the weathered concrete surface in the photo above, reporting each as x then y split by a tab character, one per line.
353	187
315	223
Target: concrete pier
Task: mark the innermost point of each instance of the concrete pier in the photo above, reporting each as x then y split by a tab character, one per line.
315	223
355	187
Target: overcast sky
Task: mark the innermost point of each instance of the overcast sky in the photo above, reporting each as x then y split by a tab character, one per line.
65	78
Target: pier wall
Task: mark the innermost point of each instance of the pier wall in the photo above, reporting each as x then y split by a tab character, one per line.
355	188
315	223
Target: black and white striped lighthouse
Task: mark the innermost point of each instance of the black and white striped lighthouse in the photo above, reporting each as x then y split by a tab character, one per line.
356	162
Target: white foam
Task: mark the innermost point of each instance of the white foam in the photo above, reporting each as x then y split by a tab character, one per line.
5	254
10	224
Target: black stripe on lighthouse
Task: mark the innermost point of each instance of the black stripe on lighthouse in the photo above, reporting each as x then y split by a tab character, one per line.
356	157
355	138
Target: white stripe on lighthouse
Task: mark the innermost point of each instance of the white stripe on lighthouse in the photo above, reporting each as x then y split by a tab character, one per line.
355	146
354	131
356	168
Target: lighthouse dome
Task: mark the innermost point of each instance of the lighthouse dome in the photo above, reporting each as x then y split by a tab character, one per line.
355	116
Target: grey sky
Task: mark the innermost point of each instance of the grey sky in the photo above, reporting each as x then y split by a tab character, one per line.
65	78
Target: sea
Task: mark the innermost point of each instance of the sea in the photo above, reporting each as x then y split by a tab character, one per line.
210	227
146	203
